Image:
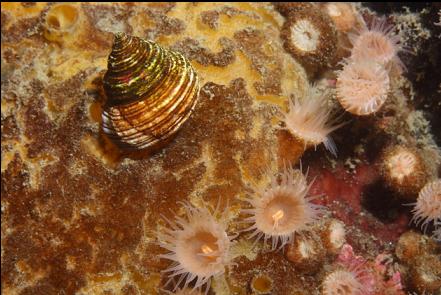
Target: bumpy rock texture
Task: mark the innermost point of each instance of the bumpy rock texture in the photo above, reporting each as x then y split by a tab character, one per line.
80	216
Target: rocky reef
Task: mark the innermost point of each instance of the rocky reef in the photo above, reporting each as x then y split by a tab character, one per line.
280	147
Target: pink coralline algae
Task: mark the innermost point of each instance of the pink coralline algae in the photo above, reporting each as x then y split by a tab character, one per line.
378	277
343	195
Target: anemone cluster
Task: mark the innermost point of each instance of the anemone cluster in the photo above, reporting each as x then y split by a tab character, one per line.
404	171
363	84
282	211
199	245
362	88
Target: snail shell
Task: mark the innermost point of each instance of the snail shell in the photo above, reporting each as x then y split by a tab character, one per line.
151	91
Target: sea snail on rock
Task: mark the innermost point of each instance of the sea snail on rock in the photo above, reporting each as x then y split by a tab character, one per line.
151	91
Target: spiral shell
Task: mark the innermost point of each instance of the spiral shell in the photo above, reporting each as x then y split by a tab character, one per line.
151	91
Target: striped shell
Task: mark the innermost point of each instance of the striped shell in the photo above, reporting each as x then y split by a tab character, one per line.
151	91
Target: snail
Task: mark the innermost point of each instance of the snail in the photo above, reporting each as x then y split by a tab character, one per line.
151	91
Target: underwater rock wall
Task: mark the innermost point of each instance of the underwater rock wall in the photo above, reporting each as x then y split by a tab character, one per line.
82	216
